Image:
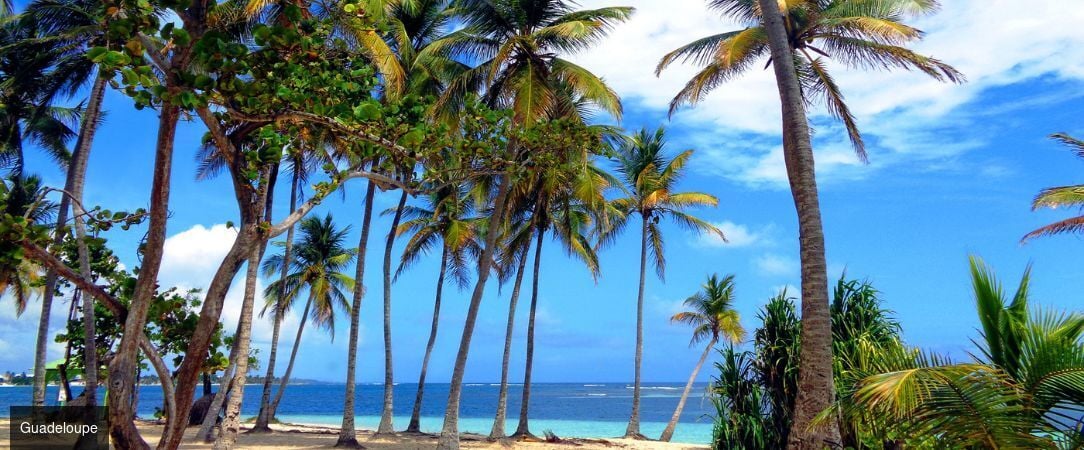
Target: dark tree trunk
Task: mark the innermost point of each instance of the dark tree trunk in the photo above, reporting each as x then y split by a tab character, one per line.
449	434
815	384
122	370
502	397
523	430
416	413
348	434
633	430
385	426
206	384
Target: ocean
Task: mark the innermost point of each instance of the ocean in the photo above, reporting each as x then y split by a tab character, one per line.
597	410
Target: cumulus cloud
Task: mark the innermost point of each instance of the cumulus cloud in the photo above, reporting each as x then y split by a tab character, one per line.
903	114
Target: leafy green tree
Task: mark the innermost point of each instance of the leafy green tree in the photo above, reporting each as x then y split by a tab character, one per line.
316	268
650	180
712	315
1061	196
799	39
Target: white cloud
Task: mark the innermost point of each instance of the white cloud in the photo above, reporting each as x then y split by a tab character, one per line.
776	265
900	112
737	235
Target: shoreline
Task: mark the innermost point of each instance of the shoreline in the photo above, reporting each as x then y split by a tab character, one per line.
298	435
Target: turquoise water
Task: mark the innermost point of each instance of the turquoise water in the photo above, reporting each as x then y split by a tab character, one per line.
595	410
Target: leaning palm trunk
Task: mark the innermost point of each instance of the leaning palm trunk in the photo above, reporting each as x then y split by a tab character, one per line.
122	369
449	434
77	173
389	380
285	381
416	413
502	397
266	412
347	434
669	431
633	430
210	419
232	422
523	430
815	384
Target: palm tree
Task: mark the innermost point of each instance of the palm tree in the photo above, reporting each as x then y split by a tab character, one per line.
21	198
1061	196
517	44
711	314
859	34
347	433
650	181
568	199
1024	390
319	259
447	221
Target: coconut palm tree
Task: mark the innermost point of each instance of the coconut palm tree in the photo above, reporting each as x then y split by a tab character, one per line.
856	33
517	45
650	181
567	200
319	259
1061	196
798	39
1025	388
711	314
446	221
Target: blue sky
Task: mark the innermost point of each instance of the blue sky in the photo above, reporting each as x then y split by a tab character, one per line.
952	172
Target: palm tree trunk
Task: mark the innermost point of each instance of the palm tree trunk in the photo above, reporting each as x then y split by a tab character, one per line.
347	434
449	434
285	381
815	384
76	179
232	422
263	419
669	431
523	430
416	413
385	426
502	397
122	370
210	419
633	430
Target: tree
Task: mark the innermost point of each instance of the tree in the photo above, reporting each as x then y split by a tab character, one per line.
1025	388
319	259
76	26
516	44
650	181
711	314
446	220
858	34
567	199
1061	196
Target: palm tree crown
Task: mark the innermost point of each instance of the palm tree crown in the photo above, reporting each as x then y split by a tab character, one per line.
650	181
319	259
856	33
711	312
1061	196
516	46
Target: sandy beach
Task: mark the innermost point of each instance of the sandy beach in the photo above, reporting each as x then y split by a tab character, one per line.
298	436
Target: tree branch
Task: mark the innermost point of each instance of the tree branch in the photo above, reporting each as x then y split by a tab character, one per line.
42	256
